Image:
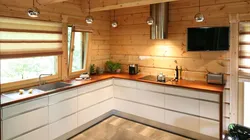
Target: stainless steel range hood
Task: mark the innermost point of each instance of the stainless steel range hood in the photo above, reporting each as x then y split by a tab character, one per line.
159	29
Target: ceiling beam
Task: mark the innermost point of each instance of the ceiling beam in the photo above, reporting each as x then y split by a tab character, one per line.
46	2
100	5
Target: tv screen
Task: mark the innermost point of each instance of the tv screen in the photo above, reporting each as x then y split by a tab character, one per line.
208	39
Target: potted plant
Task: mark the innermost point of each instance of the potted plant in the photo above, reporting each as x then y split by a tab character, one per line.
113	67
92	69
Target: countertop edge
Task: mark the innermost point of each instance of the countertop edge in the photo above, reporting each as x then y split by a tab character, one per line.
119	76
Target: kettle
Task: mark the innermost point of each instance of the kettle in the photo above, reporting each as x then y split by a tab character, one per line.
161	77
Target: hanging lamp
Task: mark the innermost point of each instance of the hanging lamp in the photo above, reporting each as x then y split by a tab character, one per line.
199	17
150	21
33	12
89	19
114	23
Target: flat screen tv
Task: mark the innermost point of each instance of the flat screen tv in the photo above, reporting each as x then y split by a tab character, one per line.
208	39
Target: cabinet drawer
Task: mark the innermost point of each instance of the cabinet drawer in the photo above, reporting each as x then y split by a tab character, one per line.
209	110
62	109
150	87
182	92
60	96
23	107
144	111
62	126
182	104
125	83
23	123
209	127
38	134
142	96
95	111
94	97
184	121
209	96
94	86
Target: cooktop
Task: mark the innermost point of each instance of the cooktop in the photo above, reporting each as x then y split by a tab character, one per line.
153	78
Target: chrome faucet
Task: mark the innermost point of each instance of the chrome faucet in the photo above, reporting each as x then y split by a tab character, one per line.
40	77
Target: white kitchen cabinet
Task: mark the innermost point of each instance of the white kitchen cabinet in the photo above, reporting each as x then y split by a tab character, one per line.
62	126
182	104
95	111
150	87
125	83
94	86
62	109
94	97
209	110
209	96
148	112
141	96
209	127
19	108
181	120
182	92
63	95
38	134
21	124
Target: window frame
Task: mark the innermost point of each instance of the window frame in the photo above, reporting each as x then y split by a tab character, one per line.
34	81
88	56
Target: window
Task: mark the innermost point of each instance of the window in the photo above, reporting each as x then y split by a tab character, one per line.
28	48
246	104
77	50
19	69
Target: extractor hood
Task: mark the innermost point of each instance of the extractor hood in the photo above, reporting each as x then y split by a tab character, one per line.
159	13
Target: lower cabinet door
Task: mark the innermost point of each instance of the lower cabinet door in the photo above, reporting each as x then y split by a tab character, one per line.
184	121
88	114
144	111
209	127
38	134
62	109
19	125
62	126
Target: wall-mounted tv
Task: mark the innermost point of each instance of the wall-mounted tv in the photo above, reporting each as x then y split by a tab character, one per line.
208	39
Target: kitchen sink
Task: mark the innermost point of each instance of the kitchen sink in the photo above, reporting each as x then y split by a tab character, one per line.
52	86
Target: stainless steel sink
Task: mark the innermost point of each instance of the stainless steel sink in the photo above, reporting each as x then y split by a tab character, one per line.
52	86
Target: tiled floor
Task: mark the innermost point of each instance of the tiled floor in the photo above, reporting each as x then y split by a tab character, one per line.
115	128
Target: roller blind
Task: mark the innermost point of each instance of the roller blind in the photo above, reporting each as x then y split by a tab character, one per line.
244	49
27	38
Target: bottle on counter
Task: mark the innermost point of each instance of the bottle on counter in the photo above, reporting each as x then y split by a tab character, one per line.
176	73
180	72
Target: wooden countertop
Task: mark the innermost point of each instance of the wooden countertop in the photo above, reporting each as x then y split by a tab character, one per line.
196	85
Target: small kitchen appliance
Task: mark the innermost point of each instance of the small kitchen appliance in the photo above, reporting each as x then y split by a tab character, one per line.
215	78
161	78
133	69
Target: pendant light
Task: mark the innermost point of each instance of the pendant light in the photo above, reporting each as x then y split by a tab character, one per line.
114	23
199	17
89	19
150	21
33	12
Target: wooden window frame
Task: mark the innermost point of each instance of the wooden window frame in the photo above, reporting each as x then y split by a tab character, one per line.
88	55
34	81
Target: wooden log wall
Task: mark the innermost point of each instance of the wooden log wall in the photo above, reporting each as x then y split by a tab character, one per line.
70	12
130	41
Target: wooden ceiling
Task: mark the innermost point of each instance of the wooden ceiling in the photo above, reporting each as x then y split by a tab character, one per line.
46	2
104	5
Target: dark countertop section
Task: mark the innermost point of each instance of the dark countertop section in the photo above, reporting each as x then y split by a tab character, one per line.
195	85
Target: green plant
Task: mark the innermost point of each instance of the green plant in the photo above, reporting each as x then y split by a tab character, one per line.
112	66
92	69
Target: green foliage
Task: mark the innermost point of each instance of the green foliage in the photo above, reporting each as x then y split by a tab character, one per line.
92	69
112	66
